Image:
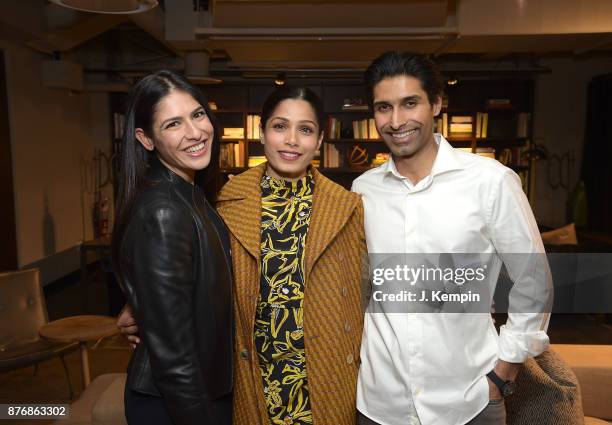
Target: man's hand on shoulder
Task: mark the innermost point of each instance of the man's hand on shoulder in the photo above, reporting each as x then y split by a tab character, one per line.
127	325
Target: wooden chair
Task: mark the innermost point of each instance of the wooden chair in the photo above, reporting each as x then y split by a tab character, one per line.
22	312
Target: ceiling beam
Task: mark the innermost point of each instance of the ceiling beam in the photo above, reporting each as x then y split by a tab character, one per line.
68	38
205	32
602	42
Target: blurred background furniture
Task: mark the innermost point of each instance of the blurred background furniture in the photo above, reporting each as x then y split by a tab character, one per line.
82	329
22	313
100	404
592	365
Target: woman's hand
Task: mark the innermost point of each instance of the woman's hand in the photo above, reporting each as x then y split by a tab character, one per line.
127	325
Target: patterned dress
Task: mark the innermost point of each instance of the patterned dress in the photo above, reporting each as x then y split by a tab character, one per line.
279	334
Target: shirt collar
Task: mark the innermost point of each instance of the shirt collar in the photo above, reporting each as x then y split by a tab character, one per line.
446	160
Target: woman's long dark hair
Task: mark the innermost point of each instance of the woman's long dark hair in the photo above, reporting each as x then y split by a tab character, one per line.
134	158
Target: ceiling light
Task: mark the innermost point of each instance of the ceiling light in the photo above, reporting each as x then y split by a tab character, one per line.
117	7
280	79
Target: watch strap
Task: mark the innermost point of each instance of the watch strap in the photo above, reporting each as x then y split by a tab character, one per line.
499	383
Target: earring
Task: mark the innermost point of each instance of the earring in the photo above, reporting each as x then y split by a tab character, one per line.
262	141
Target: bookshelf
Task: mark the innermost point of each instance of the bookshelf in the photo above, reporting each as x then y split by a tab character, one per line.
507	105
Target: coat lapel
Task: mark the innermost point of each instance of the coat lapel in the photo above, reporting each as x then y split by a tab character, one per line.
239	203
332	207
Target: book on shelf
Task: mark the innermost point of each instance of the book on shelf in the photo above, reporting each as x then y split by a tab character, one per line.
231	155
438	125
461	119
486	152
513	157
482	121
233	133
372	131
460	127
253	127
365	129
334	128
331	156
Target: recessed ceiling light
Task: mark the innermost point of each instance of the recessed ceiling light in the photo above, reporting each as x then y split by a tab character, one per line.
280	79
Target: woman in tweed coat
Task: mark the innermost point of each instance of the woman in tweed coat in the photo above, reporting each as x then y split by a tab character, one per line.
298	257
307	372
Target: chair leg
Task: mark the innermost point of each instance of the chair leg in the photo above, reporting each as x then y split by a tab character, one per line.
35	369
67	376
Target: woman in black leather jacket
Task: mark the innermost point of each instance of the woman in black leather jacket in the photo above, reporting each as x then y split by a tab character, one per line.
171	254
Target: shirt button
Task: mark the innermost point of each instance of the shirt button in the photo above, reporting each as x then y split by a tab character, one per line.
244	354
344	292
349	359
347	327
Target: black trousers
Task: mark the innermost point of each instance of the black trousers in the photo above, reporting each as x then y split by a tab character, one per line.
143	409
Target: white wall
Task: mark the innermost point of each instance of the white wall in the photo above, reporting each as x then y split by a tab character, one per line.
52	133
559	124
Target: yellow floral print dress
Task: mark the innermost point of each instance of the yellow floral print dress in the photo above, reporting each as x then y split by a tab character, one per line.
279	335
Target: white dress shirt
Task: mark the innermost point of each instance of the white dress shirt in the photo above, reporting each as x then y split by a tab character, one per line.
431	368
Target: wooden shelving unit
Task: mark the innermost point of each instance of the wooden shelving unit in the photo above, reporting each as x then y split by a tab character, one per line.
235	101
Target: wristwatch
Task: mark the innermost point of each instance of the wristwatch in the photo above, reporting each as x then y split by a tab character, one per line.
506	388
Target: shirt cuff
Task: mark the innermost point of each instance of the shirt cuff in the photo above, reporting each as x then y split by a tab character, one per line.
516	347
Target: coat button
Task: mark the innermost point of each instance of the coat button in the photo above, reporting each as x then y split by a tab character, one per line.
349	359
347	327
344	292
244	354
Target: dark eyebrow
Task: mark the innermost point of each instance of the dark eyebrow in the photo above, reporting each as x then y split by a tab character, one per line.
287	120
178	118
413	98
381	102
309	122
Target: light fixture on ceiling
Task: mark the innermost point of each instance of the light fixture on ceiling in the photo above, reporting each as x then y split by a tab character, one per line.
116	7
197	68
452	81
280	79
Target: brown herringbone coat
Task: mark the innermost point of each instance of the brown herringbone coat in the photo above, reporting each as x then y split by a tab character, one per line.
333	319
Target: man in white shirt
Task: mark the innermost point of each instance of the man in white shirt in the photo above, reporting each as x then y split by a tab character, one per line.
443	368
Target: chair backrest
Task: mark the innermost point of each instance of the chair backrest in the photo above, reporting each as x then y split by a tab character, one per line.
22	307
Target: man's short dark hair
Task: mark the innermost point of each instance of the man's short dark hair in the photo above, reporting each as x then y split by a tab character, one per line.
393	64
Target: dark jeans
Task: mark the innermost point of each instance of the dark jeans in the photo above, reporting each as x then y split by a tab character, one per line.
143	409
493	414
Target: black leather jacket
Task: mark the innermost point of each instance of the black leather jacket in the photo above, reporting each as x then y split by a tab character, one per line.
177	278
